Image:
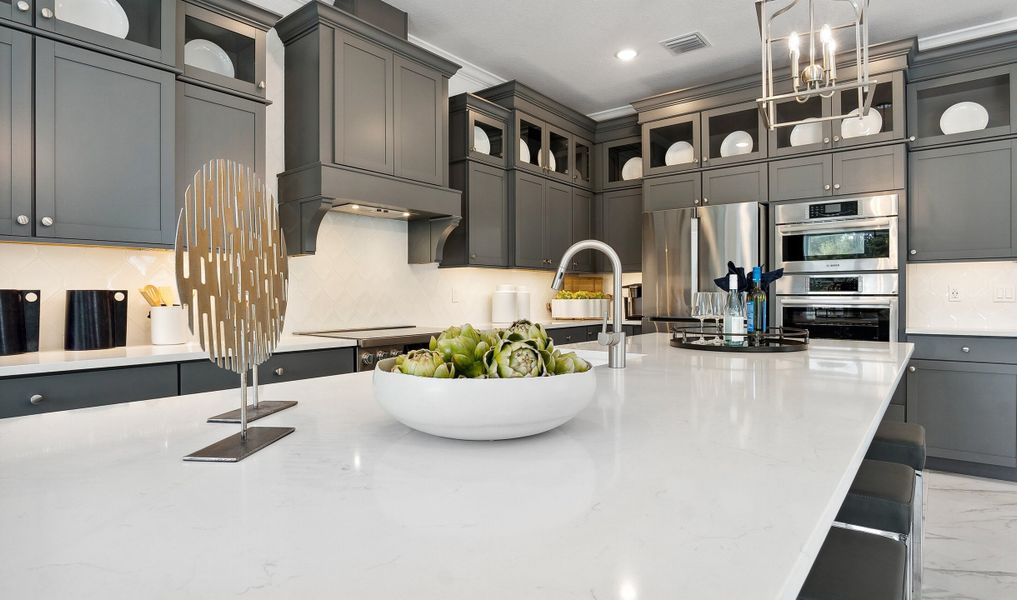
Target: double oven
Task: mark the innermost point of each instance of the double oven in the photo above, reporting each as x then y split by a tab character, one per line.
841	278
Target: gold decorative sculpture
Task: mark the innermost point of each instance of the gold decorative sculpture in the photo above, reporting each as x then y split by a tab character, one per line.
232	278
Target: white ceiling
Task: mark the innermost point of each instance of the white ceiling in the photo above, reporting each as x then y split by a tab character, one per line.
565	48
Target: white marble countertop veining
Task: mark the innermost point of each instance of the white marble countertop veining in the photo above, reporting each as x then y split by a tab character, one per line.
691	475
963	332
55	361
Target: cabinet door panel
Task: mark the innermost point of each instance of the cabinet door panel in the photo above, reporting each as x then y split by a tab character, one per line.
15	131
735	184
582	227
623	226
82	389
969	410
10	11
800	178
528	220
104	147
419	121
364	104
675	191
488	216
962	202
557	221
870	170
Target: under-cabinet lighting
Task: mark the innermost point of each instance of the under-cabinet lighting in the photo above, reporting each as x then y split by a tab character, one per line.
626	54
406	214
355	206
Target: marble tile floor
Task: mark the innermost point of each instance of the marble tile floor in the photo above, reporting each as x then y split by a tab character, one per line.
970	538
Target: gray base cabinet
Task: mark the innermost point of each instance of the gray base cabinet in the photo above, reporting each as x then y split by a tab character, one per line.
482	239
104	131
621	226
15	133
203	376
964	202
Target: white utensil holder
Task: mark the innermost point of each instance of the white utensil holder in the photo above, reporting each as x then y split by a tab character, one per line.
169	326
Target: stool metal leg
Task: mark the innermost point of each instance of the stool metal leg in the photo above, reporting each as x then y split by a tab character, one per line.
918	535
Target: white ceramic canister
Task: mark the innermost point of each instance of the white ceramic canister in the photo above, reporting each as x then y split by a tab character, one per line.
522	302
169	326
503	305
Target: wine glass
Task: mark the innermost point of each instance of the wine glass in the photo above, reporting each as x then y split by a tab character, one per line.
718	300
702	308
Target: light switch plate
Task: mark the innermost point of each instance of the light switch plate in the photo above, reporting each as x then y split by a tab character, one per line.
1004	294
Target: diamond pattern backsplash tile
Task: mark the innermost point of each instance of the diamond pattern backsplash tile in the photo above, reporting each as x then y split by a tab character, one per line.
359	277
927	294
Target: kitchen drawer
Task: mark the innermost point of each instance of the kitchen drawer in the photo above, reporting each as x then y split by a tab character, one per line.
203	376
569	335
80	389
979	349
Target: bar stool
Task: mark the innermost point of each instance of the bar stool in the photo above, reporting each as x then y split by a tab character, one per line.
904	443
853	565
881	501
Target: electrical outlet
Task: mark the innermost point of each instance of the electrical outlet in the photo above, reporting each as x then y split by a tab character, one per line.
455	296
953	293
1004	294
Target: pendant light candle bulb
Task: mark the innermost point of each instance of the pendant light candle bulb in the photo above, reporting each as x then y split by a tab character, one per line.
833	59
826	34
793	44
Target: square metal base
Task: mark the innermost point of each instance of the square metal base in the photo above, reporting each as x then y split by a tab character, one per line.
264	409
235	449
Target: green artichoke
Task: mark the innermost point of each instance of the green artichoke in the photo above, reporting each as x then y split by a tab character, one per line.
515	356
424	363
464	347
531	331
567	363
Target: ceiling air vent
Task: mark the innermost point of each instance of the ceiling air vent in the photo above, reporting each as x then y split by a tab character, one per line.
685	43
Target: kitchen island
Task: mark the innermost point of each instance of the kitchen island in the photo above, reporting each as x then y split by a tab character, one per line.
691	475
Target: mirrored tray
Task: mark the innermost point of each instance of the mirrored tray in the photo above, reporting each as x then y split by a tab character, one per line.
712	339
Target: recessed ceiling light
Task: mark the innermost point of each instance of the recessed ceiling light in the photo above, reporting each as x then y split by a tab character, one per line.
626	54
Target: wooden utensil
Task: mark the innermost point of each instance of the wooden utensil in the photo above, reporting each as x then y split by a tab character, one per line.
152	300
169	297
152	295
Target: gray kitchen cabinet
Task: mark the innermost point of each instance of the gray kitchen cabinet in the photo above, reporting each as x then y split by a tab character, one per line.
870	170
15	133
542	220
11	10
994	88
621	227
421	122
658	137
482	238
612	156
963	202
792	111
969	410
104	135
241	36
203	376
211	125
582	229
364	104
557	221
35	394
720	123
582	162
151	34
801	178
478	130
887	101
681	190
747	183
1001	350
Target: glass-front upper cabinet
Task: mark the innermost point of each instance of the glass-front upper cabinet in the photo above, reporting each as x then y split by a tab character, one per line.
486	138
622	162
733	134
19	11
969	106
885	121
804	137
582	162
529	149
219	50
671	145
142	28
558	158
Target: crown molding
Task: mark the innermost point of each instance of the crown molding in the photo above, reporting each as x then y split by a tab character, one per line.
966	34
475	77
612	113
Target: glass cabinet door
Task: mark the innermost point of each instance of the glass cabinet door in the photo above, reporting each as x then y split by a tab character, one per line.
20	11
964	107
142	28
582	162
529	148
804	137
885	120
558	159
733	134
486	139
623	163
671	145
222	51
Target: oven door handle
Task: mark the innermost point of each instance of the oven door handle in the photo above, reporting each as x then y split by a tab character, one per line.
877	223
834	302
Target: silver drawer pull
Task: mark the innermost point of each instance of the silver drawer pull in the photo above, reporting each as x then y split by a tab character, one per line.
912	369
280	372
23	6
965	349
23	220
36	399
47	13
46	221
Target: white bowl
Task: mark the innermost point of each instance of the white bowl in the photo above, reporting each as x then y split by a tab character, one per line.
963	117
207	55
482	409
104	16
736	143
540	161
632	169
858	126
806	134
481	143
679	153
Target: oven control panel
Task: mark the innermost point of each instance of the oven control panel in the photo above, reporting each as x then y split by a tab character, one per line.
829	210
834	284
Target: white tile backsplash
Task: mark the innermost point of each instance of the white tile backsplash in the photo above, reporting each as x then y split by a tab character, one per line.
929	309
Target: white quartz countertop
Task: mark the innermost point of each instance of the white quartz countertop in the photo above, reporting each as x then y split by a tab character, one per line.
963	332
54	361
691	475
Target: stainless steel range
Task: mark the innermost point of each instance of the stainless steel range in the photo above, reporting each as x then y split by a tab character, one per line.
842	306
374	344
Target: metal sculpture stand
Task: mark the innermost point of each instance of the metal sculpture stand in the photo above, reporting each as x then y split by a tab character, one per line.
255	410
232	276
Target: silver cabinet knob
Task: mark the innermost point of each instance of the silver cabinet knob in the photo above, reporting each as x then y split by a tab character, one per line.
23	220
47	13
261	85
696	201
706	158
36	399
836	186
706	200
836	138
46	221
279	372
913	252
695	160
912	369
473	256
826	187
912	139
367	358
23	6
965	349
826	140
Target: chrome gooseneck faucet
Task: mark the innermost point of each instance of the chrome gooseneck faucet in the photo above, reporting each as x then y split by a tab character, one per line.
615	341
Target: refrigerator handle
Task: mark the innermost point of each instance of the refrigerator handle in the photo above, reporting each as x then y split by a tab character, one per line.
694	257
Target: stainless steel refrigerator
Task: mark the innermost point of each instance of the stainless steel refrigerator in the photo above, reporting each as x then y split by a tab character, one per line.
684	250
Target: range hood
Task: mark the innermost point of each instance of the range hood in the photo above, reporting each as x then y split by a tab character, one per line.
366	126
